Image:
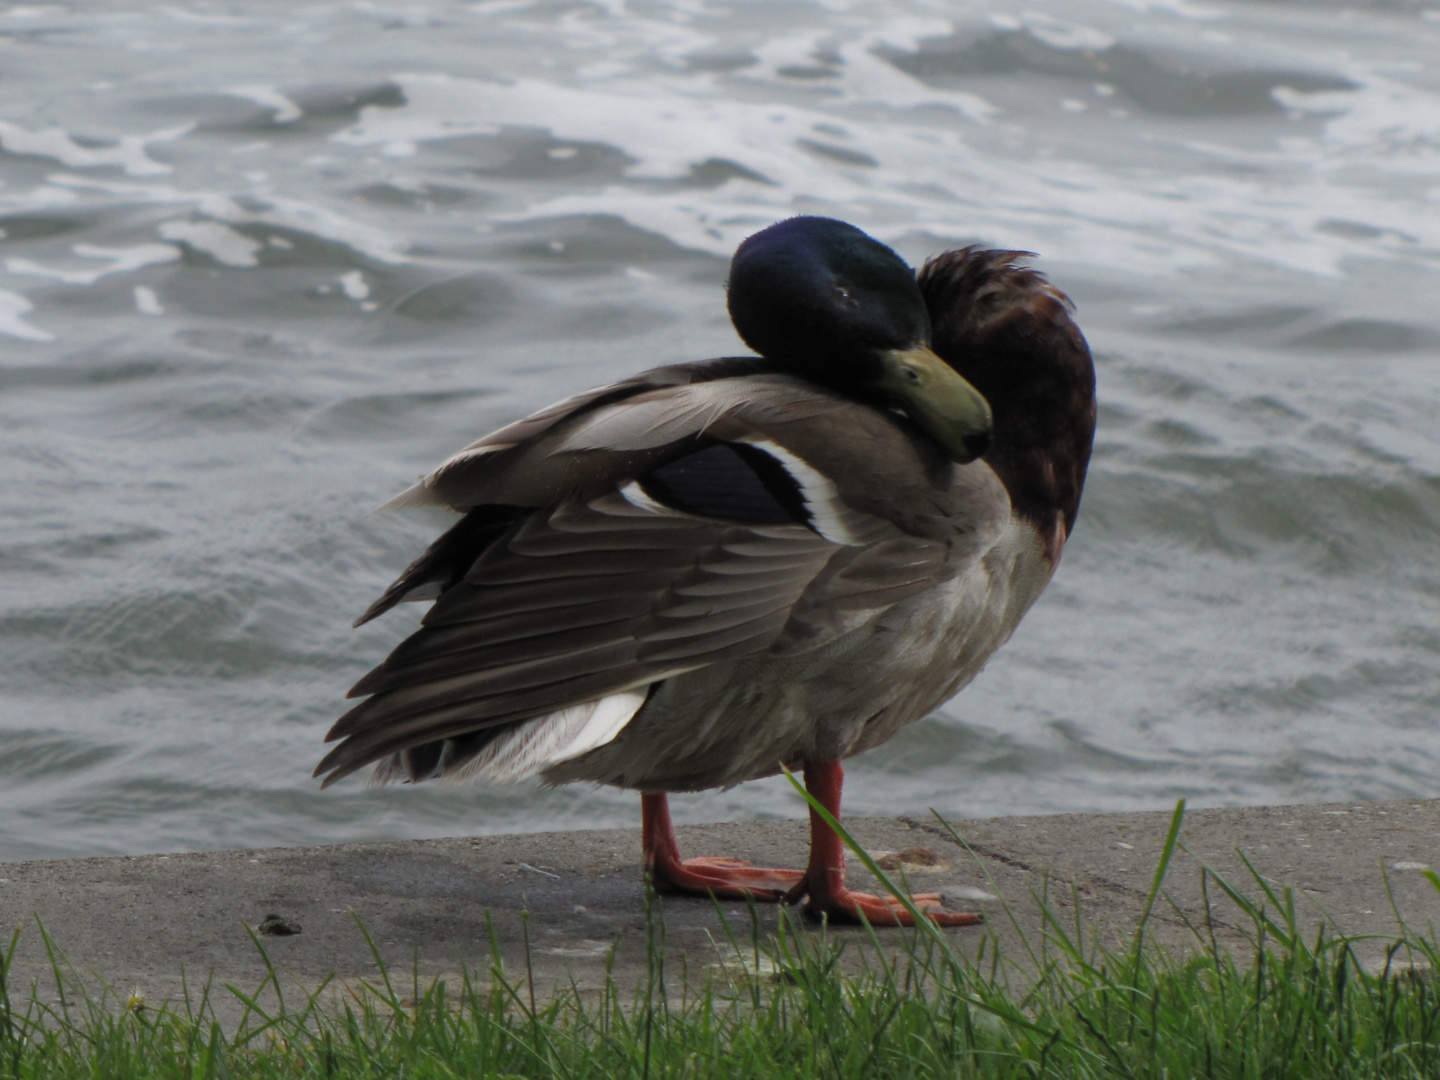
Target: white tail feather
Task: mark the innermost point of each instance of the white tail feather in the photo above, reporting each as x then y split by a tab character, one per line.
535	745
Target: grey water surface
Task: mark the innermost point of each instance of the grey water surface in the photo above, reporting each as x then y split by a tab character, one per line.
263	264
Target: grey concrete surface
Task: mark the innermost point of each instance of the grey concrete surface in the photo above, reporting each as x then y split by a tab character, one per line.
139	922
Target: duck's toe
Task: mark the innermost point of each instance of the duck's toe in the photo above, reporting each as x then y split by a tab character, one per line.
729	879
886	910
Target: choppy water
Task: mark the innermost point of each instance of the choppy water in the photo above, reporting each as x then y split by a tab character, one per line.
264	264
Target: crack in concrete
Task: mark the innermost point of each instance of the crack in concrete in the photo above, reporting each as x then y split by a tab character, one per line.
1080	881
978	849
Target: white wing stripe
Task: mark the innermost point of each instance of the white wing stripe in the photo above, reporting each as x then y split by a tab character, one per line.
829	516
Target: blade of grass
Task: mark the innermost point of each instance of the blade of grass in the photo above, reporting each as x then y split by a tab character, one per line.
869	863
1005	904
1167	852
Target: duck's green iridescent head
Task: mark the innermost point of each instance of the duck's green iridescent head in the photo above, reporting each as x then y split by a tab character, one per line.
841	308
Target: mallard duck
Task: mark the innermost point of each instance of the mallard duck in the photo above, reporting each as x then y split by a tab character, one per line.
695	576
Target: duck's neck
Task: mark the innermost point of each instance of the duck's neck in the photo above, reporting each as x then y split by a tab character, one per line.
1010	334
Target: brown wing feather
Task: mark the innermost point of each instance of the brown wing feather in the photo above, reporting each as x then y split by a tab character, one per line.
861	580
674	592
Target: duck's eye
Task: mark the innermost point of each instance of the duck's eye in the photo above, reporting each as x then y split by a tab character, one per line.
844	296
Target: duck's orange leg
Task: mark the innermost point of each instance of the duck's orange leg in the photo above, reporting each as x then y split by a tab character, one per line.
822	882
727	878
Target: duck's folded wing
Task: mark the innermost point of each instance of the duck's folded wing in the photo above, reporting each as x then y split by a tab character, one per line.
600	597
576	604
523	462
723	542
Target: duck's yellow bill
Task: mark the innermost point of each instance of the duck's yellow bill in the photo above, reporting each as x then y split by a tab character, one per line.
942	404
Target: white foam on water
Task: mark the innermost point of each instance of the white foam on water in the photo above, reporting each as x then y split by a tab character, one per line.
944	178
354	285
12	306
269	97
1182	8
1068	36
220	242
869	80
33	11
122	261
200	18
502	7
40	197
318	221
1384	126
793	50
666	135
908	31
128	153
259	208
955	179
146	302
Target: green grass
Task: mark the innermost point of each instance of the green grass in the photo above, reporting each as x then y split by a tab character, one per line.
801	1004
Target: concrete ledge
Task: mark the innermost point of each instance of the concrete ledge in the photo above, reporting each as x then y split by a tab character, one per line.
137	922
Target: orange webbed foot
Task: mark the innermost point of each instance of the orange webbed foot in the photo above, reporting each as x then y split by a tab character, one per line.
887	910
729	879
822	885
